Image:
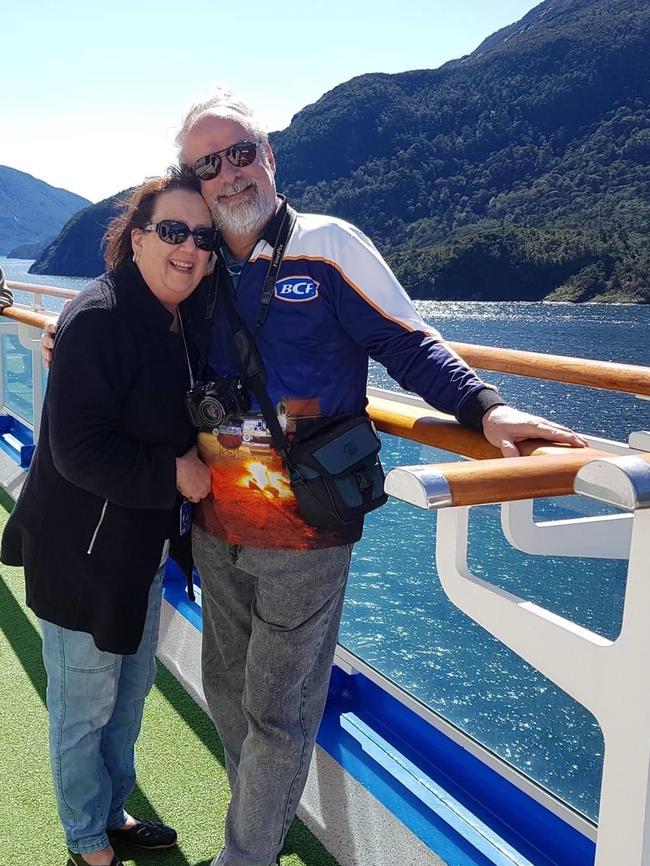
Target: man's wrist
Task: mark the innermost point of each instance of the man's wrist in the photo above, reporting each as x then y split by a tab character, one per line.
474	408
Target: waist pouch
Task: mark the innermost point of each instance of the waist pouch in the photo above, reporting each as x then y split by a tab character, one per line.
335	473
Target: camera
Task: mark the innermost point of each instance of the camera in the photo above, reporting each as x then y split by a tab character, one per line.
210	403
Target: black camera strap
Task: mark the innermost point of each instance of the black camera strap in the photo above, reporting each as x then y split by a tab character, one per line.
250	362
252	372
289	217
206	324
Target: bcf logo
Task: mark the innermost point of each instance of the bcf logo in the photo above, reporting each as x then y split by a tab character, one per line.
296	289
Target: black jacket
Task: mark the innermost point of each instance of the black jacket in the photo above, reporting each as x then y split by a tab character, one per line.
100	497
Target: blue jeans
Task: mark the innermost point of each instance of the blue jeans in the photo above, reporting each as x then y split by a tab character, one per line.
270	621
95	701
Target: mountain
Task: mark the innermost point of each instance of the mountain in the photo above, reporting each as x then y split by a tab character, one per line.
547	120
32	210
77	251
519	171
30	251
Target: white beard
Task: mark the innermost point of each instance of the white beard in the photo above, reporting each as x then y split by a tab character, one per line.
242	218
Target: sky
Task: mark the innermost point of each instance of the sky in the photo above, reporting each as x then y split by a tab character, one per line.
92	93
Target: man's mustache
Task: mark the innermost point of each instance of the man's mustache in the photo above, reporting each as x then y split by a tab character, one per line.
233	189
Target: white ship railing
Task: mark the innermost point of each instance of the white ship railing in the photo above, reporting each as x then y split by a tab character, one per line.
607	677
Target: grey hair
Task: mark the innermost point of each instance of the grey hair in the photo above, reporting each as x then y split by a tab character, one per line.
223	103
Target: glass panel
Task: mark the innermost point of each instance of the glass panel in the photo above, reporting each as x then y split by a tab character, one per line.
587	591
17	377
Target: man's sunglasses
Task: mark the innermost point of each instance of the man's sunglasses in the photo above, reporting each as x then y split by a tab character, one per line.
240	154
176	232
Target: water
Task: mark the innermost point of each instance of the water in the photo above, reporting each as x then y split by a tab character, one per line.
16	269
397	617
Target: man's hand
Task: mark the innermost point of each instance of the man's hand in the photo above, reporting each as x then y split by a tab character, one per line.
504	426
47	342
192	476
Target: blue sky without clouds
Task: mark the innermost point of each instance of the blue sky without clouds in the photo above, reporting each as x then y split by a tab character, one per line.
92	93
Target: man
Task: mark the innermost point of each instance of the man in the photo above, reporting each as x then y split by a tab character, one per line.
272	586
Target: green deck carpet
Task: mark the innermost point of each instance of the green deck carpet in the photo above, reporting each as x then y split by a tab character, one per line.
181	778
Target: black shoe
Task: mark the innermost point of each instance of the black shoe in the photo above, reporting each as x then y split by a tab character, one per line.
145	834
78	860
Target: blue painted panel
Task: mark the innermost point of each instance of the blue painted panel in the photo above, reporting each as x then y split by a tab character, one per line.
22	455
540	836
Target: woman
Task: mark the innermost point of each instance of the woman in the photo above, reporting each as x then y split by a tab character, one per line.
101	501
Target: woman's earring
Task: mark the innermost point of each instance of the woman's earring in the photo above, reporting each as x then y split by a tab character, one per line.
136	257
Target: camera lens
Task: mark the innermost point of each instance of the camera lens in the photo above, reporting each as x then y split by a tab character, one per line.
211	411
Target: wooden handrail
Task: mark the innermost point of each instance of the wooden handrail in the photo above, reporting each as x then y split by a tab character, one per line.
504	480
428	427
626	378
608	375
543	470
28	317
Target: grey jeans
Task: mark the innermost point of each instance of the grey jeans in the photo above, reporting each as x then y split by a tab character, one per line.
270	621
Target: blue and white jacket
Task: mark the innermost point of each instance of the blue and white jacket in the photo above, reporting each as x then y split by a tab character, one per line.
336	304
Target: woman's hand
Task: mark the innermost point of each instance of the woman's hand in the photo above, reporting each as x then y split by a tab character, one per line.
192	476
47	342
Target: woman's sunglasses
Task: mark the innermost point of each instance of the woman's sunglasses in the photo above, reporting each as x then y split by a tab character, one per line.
208	167
175	232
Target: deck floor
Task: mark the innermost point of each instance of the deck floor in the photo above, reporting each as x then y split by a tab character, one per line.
181	778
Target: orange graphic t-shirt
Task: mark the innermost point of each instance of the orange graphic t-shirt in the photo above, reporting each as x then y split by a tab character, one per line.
252	503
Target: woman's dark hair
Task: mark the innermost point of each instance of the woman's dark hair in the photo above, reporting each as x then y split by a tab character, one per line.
137	211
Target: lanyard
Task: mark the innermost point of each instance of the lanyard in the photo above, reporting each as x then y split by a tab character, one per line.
187	354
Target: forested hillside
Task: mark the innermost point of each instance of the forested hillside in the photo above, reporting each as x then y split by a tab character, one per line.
546	125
